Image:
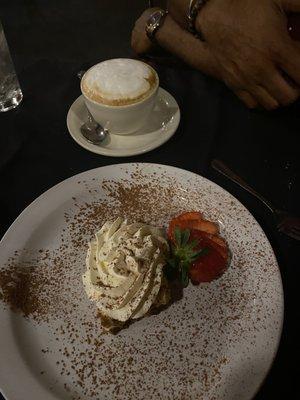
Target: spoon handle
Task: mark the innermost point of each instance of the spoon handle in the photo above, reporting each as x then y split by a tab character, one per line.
80	74
219	166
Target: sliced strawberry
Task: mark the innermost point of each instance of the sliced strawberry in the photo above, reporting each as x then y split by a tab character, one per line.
182	221
211	265
172	225
208	268
185	221
203	225
190	215
194	235
217	242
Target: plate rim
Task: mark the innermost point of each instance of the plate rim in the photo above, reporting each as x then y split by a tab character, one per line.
164	166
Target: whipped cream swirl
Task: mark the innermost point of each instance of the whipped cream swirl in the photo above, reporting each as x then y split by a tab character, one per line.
125	268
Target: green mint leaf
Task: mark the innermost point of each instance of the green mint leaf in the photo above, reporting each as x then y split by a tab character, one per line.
172	262
185	237
200	253
184	277
177	234
196	254
169	272
173	248
205	250
193	243
185	265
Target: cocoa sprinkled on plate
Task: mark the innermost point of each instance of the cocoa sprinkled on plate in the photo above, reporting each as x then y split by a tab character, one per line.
191	350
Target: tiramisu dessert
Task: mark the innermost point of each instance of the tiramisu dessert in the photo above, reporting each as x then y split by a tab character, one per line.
125	271
127	264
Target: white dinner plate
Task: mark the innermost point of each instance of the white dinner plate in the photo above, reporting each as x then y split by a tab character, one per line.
217	342
158	129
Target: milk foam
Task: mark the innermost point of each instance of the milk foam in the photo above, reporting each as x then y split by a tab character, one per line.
118	81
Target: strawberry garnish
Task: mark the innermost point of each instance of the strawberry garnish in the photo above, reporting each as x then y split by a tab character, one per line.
198	250
192	220
190	215
212	265
184	252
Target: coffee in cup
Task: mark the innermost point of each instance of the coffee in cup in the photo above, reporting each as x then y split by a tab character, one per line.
120	93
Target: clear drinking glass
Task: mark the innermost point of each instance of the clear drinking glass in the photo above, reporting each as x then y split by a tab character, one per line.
10	91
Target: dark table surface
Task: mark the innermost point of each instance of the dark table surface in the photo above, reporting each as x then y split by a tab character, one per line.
51	40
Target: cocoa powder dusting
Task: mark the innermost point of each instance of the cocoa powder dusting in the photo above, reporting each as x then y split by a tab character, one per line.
36	288
162	356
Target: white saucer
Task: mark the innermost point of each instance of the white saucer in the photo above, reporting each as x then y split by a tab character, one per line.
159	128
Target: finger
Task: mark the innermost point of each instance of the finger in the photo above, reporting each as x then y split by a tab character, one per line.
291	5
187	47
264	98
281	90
290	60
136	42
178	10
247	98
293	26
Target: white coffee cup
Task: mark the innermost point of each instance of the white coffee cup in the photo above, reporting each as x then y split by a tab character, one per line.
125	118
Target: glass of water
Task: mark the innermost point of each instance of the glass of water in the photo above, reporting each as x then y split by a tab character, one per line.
10	91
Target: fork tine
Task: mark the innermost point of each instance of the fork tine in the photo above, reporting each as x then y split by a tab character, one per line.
290	233
295	232
294	236
284	224
296	228
288	225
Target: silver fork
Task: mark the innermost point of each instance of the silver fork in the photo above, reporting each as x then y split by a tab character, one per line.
286	223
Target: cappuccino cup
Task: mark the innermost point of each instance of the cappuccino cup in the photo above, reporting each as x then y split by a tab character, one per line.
120	94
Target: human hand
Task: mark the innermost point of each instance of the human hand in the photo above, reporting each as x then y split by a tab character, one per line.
140	42
179	42
250	40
